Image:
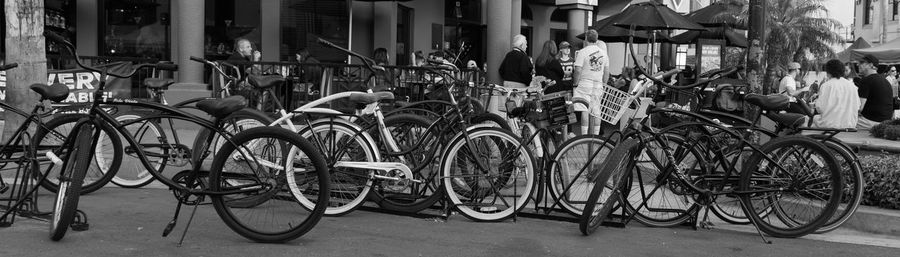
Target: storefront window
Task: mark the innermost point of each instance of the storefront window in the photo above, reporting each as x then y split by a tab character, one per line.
303	22
135	28
227	21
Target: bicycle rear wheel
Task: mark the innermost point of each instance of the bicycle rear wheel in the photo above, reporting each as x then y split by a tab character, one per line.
260	204
608	183
568	181
488	175
107	158
73	169
854	183
798	178
150	137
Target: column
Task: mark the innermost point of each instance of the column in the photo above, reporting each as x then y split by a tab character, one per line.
499	37
516	10
541	27
270	19
578	20
385	27
188	25
87	39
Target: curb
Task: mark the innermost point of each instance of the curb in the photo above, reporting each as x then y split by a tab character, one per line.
875	220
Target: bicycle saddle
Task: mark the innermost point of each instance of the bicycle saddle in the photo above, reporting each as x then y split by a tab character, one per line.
221	108
367	98
265	81
56	92
775	102
158	83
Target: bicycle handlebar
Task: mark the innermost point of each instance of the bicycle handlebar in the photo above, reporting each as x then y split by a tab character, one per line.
71	48
702	81
9	66
215	66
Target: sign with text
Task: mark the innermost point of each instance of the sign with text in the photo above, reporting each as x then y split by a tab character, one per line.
82	83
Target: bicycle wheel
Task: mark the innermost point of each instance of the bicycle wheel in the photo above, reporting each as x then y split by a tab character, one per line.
73	172
490	118
236	122
854	184
107	153
656	195
568	181
407	130
150	136
341	141
261	206
608	180
488	175
796	176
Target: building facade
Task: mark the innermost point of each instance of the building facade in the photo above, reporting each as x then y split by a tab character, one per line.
877	21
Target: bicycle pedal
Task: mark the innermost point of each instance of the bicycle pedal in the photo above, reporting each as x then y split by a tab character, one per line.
80	226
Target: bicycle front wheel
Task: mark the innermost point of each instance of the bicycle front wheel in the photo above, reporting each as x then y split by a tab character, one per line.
607	186
798	178
107	156
258	203
71	178
488	174
568	180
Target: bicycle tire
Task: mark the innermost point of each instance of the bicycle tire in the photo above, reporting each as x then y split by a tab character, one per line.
412	198
667	202
611	175
854	185
787	224
234	123
567	180
283	219
154	135
351	187
465	189
74	167
107	155
490	118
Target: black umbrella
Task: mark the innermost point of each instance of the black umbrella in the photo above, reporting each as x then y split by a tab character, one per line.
731	36
615	34
653	16
718	14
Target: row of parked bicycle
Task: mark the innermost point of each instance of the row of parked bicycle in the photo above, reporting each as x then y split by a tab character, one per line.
255	168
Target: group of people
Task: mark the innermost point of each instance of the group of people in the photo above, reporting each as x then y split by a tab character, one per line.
585	74
841	103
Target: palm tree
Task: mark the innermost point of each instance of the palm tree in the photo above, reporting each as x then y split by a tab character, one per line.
792	28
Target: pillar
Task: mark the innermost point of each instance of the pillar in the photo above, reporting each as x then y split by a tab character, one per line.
516	18
578	22
499	35
188	25
385	26
270	20
87	39
541	27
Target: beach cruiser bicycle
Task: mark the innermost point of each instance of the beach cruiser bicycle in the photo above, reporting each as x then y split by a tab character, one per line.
246	183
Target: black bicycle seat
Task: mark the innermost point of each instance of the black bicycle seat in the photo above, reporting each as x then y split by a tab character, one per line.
775	102
265	81
367	98
158	83
221	108
56	92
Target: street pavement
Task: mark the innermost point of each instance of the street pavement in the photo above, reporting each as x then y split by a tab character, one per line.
129	222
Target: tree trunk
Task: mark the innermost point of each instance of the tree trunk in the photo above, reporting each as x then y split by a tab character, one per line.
25	46
756	36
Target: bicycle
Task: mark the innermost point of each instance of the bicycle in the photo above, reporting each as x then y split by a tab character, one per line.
683	167
247	174
358	166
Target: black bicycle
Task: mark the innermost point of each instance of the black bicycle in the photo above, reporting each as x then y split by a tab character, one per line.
247	183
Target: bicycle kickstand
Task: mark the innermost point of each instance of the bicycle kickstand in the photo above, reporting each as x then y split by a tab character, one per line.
186	226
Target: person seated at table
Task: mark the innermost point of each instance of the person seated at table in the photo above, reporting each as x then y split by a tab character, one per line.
309	68
838	102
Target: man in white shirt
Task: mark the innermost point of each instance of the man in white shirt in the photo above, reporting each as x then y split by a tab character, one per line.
838	102
590	75
788	85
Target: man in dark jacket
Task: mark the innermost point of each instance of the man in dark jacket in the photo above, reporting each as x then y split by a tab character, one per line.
874	94
517	68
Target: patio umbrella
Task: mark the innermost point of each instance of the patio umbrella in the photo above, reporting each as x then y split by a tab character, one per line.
653	16
731	36
615	34
718	14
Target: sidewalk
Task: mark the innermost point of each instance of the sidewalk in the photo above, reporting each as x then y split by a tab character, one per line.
864	141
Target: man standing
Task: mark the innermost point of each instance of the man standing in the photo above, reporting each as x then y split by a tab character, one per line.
875	95
590	75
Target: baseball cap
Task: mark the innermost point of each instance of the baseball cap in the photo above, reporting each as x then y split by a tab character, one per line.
869	58
564	44
793	66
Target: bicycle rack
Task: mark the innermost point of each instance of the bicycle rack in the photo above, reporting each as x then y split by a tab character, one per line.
22	198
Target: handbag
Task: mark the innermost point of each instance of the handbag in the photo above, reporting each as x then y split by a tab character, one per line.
896	103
